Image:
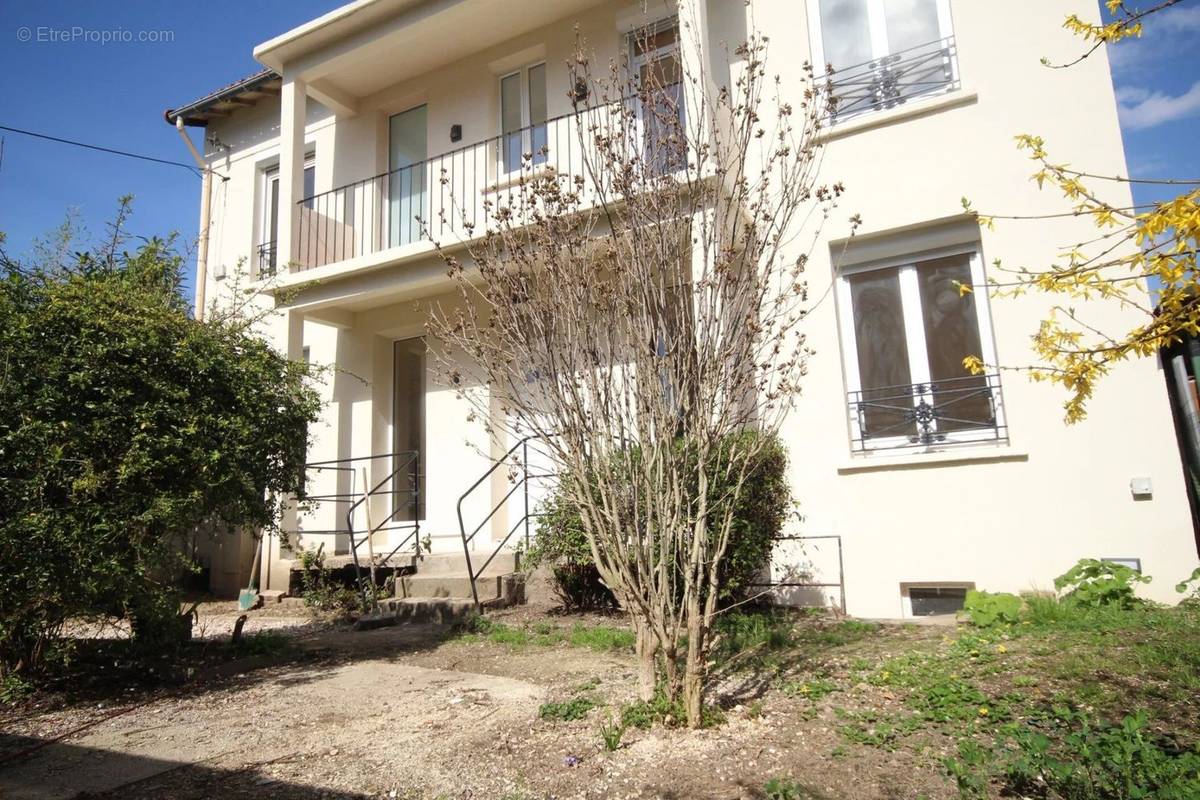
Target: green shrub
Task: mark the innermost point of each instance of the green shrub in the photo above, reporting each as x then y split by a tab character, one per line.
759	514
1097	583
1190	587
319	588
127	426
988	610
643	714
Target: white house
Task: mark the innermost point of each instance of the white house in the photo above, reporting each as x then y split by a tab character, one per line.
322	163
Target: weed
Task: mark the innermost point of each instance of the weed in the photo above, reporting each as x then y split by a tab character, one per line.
643	714
969	770
786	789
568	711
611	732
812	689
1100	583
13	688
988	610
754	710
264	643
601	637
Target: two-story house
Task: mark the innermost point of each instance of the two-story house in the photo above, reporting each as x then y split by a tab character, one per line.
916	481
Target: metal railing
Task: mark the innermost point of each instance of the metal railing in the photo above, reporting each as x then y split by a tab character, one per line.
266	255
520	481
450	196
956	410
894	79
791	574
405	469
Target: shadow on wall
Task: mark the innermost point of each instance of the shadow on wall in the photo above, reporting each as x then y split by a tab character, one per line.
69	771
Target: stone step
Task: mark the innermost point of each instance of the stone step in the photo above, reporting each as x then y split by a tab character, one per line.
506	561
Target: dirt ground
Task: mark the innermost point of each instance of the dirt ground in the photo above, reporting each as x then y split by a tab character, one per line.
408	712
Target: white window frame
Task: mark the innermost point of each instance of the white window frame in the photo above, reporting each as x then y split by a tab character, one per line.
526	116
914	329
267	176
877	22
637	61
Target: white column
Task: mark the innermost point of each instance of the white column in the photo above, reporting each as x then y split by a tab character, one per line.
276	564
291	167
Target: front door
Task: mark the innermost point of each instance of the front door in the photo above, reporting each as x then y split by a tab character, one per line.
407	168
408	429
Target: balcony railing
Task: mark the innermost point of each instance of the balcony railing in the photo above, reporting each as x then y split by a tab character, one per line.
450	196
265	259
894	79
954	411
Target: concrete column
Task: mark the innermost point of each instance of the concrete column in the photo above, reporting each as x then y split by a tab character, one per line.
292	114
276	563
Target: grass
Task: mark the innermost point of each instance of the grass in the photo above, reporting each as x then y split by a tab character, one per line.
568	710
601	638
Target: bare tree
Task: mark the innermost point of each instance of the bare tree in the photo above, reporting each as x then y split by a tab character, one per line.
637	301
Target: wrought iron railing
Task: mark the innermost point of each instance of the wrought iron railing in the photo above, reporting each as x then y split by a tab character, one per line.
266	255
450	196
894	79
522	511
399	515
946	412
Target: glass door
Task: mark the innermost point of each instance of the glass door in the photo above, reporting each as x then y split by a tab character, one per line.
407	197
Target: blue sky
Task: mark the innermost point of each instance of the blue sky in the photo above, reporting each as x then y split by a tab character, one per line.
114	94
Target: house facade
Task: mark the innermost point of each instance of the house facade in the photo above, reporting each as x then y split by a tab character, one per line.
330	172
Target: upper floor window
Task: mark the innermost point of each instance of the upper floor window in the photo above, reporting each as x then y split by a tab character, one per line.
906	328
658	70
883	52
268	231
523	116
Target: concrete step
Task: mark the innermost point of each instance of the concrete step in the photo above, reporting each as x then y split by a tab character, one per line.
493	589
442	611
506	561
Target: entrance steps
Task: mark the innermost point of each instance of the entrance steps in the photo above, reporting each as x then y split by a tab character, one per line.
440	590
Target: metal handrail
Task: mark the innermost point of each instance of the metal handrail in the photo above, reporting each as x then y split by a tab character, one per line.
473	574
406	459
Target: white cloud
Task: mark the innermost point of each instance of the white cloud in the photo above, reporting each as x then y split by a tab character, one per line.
1170	33
1141	109
1178	19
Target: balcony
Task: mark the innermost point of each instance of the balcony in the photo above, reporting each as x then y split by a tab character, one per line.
894	79
925	415
451	197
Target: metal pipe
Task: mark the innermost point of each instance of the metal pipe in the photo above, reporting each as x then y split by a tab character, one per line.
205	220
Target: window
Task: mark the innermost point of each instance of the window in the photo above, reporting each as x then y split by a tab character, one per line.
655	60
523	116
906	329
269	225
883	52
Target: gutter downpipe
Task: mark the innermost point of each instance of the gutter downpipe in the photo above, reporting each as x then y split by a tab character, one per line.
205	218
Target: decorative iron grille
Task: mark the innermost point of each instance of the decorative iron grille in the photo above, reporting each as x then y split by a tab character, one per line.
954	411
894	79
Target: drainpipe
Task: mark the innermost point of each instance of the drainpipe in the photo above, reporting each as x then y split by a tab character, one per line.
205	216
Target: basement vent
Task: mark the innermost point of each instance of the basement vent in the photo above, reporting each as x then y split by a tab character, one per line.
932	600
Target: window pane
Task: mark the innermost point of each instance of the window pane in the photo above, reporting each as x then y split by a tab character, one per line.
510	121
961	401
845	32
886	400
911	23
537	112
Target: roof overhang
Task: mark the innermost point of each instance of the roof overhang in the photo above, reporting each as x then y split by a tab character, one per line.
239	95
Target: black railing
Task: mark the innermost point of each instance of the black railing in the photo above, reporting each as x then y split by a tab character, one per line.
957	410
450	196
894	79
520	480
266	259
402	512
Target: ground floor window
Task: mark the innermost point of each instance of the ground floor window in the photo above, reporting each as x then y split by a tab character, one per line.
907	326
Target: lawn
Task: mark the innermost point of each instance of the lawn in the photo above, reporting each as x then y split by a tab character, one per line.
1059	701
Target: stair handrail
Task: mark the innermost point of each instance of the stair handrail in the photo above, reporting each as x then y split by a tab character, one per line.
412	458
472	574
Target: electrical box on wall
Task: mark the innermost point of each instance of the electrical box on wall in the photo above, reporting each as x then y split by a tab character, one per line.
1141	487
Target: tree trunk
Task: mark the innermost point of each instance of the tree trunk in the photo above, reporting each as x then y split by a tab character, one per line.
694	667
647	654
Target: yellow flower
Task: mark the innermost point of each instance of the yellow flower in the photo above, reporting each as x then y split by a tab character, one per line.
983	712
1001	648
